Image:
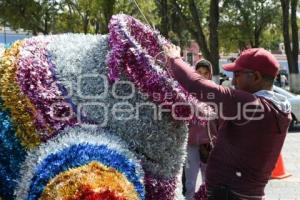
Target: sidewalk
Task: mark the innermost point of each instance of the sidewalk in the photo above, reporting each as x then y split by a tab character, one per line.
289	188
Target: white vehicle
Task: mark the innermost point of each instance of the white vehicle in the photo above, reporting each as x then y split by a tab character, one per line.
295	103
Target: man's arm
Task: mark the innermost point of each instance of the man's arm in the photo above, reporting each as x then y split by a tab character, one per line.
226	99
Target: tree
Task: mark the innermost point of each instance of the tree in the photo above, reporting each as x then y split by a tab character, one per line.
148	9
93	16
37	16
272	37
170	23
163	9
101	12
244	22
67	20
56	16
203	29
291	41
79	8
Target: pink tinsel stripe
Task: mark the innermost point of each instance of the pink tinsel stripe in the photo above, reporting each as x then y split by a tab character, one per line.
36	79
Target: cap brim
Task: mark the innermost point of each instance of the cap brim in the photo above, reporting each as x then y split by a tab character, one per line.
231	67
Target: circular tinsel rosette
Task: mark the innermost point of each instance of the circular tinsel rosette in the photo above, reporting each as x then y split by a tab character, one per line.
81	163
134	49
36	77
12	154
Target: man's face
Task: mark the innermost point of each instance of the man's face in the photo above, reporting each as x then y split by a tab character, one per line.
243	80
203	71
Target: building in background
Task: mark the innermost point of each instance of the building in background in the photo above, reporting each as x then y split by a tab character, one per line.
192	54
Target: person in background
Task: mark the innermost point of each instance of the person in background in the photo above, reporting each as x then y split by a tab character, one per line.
198	143
283	80
256	122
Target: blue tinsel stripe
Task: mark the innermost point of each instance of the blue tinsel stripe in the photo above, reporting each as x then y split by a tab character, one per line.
78	155
11	155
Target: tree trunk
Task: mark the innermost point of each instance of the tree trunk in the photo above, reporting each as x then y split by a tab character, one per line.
198	34
108	12
295	40
34	32
210	50
294	81
286	33
70	19
97	26
291	52
163	10
257	34
46	31
213	35
85	23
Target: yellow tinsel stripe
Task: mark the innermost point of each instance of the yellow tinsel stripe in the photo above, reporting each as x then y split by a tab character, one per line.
94	175
15	101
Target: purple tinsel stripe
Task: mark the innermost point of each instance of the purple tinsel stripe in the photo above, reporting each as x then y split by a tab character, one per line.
146	37
36	79
133	46
159	189
139	71
118	46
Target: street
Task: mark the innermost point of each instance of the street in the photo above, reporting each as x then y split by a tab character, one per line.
288	188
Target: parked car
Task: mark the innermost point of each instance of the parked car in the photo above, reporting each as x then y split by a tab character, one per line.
295	103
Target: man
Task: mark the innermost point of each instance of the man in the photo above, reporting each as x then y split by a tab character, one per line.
255	122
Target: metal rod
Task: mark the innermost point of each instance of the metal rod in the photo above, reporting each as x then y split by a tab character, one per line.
140	10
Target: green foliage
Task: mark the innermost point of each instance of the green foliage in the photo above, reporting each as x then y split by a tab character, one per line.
242	22
38	16
249	23
148	8
271	38
88	16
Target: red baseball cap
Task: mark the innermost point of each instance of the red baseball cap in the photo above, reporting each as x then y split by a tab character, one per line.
256	59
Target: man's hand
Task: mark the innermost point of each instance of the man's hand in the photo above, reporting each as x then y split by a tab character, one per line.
171	51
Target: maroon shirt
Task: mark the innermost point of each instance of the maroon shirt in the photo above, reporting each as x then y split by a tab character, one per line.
246	150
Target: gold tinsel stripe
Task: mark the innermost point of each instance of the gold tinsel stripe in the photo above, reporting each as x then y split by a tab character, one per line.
19	106
94	175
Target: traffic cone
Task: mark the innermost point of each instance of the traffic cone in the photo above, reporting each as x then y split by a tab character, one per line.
279	170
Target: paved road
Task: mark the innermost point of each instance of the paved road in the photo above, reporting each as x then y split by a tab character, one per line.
289	188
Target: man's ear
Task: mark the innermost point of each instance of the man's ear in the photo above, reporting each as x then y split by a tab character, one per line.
257	76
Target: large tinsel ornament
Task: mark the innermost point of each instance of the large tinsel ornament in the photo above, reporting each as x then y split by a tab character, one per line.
47	133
